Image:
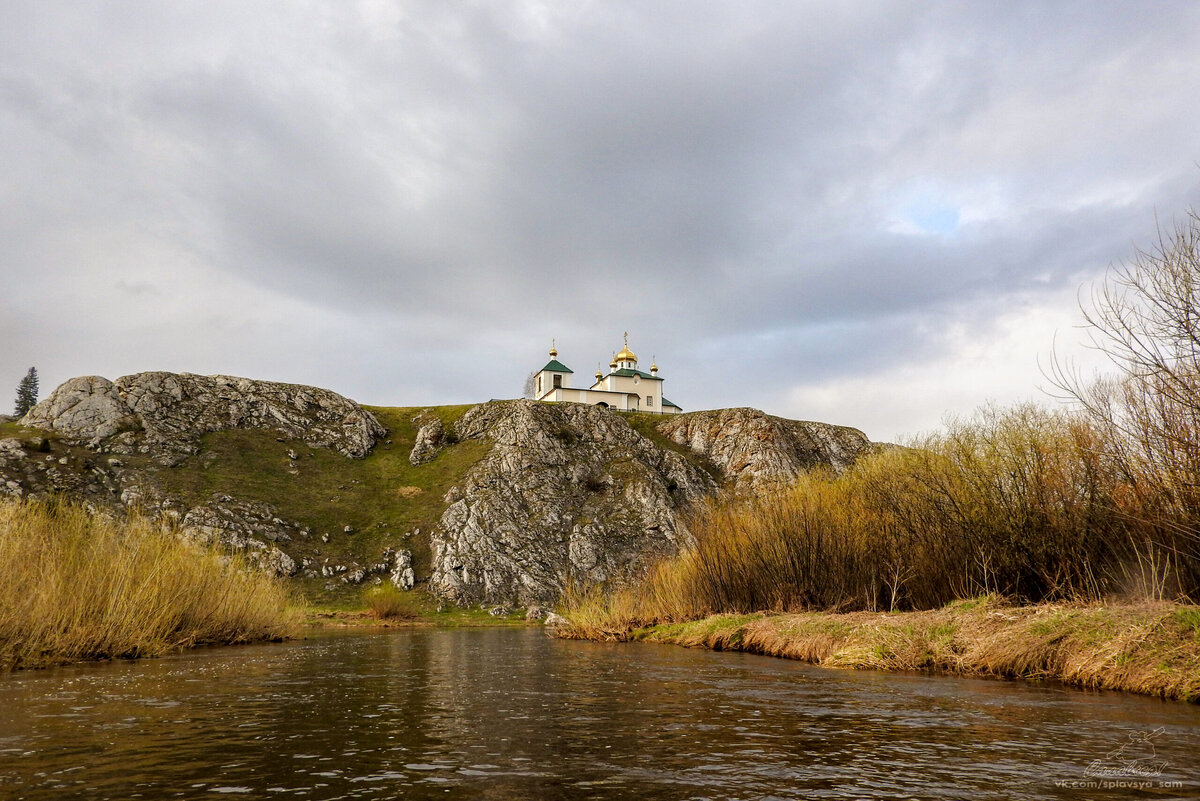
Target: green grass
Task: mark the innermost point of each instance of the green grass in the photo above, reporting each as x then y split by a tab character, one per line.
27	436
706	629
417	607
1188	617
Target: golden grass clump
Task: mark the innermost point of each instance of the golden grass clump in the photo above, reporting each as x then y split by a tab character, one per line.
386	603
78	585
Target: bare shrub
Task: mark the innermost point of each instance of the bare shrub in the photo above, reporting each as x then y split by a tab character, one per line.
1146	319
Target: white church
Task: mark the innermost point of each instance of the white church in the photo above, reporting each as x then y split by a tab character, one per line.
625	388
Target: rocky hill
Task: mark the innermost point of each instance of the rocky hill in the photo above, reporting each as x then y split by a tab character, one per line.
502	503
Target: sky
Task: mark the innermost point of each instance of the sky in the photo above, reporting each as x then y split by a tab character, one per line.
874	214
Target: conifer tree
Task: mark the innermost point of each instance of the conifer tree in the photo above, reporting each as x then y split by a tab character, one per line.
27	392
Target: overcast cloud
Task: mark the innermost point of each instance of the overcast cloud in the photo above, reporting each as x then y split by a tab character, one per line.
867	213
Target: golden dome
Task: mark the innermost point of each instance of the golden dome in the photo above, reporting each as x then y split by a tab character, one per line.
626	355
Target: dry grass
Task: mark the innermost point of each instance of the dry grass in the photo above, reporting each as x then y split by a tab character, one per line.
385	602
75	585
1151	649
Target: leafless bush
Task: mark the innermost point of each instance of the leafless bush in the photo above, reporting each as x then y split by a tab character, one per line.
1146	319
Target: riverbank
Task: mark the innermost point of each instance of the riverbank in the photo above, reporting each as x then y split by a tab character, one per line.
1149	649
420	616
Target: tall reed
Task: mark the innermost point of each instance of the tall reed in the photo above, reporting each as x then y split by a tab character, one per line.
78	585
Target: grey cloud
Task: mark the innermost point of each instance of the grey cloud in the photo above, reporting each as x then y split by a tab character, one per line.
730	181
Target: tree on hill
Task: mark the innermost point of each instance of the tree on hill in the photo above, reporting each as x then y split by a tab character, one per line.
528	390
27	393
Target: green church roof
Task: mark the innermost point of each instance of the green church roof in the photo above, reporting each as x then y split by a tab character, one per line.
668	403
625	372
555	366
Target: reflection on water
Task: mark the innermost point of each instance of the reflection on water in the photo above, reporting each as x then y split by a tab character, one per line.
503	714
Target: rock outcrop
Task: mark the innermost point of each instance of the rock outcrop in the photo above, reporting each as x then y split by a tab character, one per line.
251	529
168	412
26	469
755	451
402	574
568	493
88	407
431	436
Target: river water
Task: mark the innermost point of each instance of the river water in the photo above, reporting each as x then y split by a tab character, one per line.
512	714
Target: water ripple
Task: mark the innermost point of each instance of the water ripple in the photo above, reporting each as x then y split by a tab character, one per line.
500	714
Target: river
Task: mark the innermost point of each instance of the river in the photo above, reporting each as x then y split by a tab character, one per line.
512	714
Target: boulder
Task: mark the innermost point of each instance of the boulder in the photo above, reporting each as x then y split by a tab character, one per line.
402	571
251	529
86	408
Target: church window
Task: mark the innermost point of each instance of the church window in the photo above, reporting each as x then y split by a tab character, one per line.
649	400
557	381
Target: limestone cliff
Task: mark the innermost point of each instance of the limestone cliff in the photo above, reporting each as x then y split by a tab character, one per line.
754	450
566	493
507	502
168	412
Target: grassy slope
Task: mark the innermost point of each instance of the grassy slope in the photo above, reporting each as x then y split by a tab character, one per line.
382	498
15	430
1152	649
